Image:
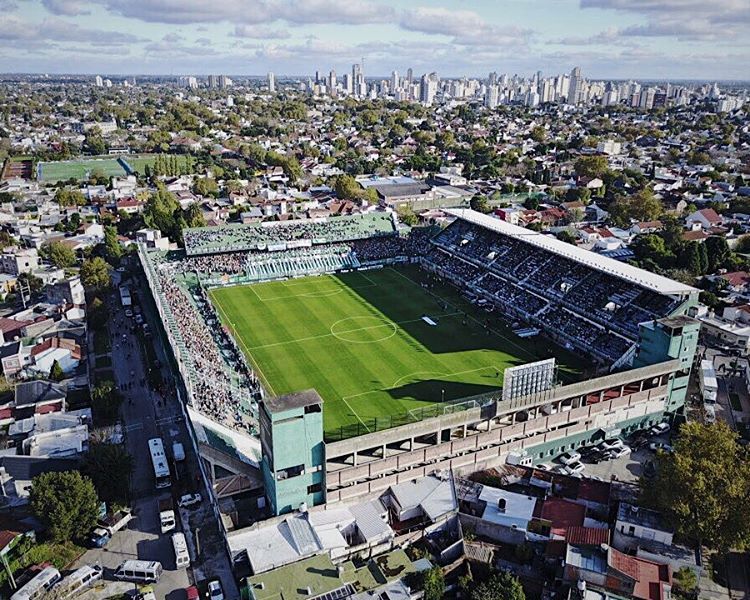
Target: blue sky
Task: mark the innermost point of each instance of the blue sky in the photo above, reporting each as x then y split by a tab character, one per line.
702	39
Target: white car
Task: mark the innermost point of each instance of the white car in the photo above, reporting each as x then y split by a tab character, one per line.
189	500
128	313
543	467
663	446
620	452
659	429
214	590
570	457
612	444
573	469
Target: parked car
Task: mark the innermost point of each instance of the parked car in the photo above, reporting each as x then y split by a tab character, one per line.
215	591
620	452
660	429
611	444
570	457
573	469
189	500
543	467
657	446
192	593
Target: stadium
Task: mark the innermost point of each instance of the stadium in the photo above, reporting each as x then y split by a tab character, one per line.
394	353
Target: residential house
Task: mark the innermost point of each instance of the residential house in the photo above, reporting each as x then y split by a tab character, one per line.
707	218
32	397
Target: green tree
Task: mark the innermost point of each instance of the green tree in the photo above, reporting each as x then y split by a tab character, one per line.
66	196
407	217
567	237
685	583
194	216
98	314
591	166
433	584
499	586
59	254
66	503
644	206
6	239
56	372
160	210
480	204
347	188
105	401
703	486
109	467
96	274
112	245
717	252
206	186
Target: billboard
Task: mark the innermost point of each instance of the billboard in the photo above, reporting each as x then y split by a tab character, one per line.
531	378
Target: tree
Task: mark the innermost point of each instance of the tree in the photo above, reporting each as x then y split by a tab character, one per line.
160	210
407	217
433	584
591	166
685	583
644	206
65	197
95	274
98	314
66	503
500	586
703	486
59	254
347	188
194	216
56	372
480	204
106	401
112	245
109	467
717	252
206	186
567	237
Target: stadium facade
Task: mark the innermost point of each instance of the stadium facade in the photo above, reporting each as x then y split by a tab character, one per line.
633	325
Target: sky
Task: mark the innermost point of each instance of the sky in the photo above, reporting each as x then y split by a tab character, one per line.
646	39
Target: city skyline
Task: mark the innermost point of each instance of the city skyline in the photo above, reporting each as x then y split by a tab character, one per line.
676	39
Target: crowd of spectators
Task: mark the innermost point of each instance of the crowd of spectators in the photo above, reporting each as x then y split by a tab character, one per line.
602	311
220	375
261	236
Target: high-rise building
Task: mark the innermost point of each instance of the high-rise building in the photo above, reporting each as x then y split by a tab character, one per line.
271	82
213	81
491	96
332	82
99	81
225	82
575	87
409	76
428	88
394	81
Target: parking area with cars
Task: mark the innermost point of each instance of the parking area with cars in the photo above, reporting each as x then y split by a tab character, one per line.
614	458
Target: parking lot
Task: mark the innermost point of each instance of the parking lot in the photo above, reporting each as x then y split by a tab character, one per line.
628	468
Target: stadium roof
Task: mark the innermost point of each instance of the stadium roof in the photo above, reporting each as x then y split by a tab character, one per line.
657	283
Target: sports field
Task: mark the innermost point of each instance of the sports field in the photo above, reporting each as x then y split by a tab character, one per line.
78	169
361	341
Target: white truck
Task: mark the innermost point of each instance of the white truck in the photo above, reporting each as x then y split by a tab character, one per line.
107	527
709	385
166	515
178	451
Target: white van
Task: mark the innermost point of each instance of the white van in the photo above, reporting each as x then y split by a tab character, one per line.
39	585
78	580
146	571
181	555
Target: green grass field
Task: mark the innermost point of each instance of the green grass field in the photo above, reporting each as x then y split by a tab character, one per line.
78	169
359	339
82	168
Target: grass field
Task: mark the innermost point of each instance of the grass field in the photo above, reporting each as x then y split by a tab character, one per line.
359	339
78	169
82	168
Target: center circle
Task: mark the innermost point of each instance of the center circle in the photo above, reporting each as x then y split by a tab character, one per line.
363	330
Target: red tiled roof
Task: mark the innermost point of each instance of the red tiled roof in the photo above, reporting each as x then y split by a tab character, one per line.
6	537
595	491
694	236
650	577
587	536
628	565
563	514
8	325
710	215
737	278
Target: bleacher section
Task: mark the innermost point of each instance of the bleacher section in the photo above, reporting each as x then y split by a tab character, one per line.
283	235
583	305
270	265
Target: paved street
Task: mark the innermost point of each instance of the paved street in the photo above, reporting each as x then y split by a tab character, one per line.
145	415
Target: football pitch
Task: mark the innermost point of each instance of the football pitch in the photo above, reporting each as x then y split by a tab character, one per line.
362	341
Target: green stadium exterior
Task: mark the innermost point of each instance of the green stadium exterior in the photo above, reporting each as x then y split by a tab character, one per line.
526	429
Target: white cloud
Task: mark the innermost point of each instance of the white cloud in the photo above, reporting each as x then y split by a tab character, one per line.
260	32
58	30
67	8
465	26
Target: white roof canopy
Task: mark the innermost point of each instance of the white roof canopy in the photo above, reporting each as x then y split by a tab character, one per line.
646	279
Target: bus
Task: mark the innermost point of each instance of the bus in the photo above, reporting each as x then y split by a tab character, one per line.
159	461
79	580
42	582
708	384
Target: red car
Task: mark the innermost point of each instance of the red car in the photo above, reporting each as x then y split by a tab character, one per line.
191	593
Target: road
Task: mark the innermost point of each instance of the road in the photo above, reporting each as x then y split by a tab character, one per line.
147	414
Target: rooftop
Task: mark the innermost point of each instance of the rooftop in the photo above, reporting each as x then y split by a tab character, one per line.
292	401
651	281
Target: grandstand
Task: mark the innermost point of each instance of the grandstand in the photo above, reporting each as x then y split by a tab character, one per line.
586	301
285	235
